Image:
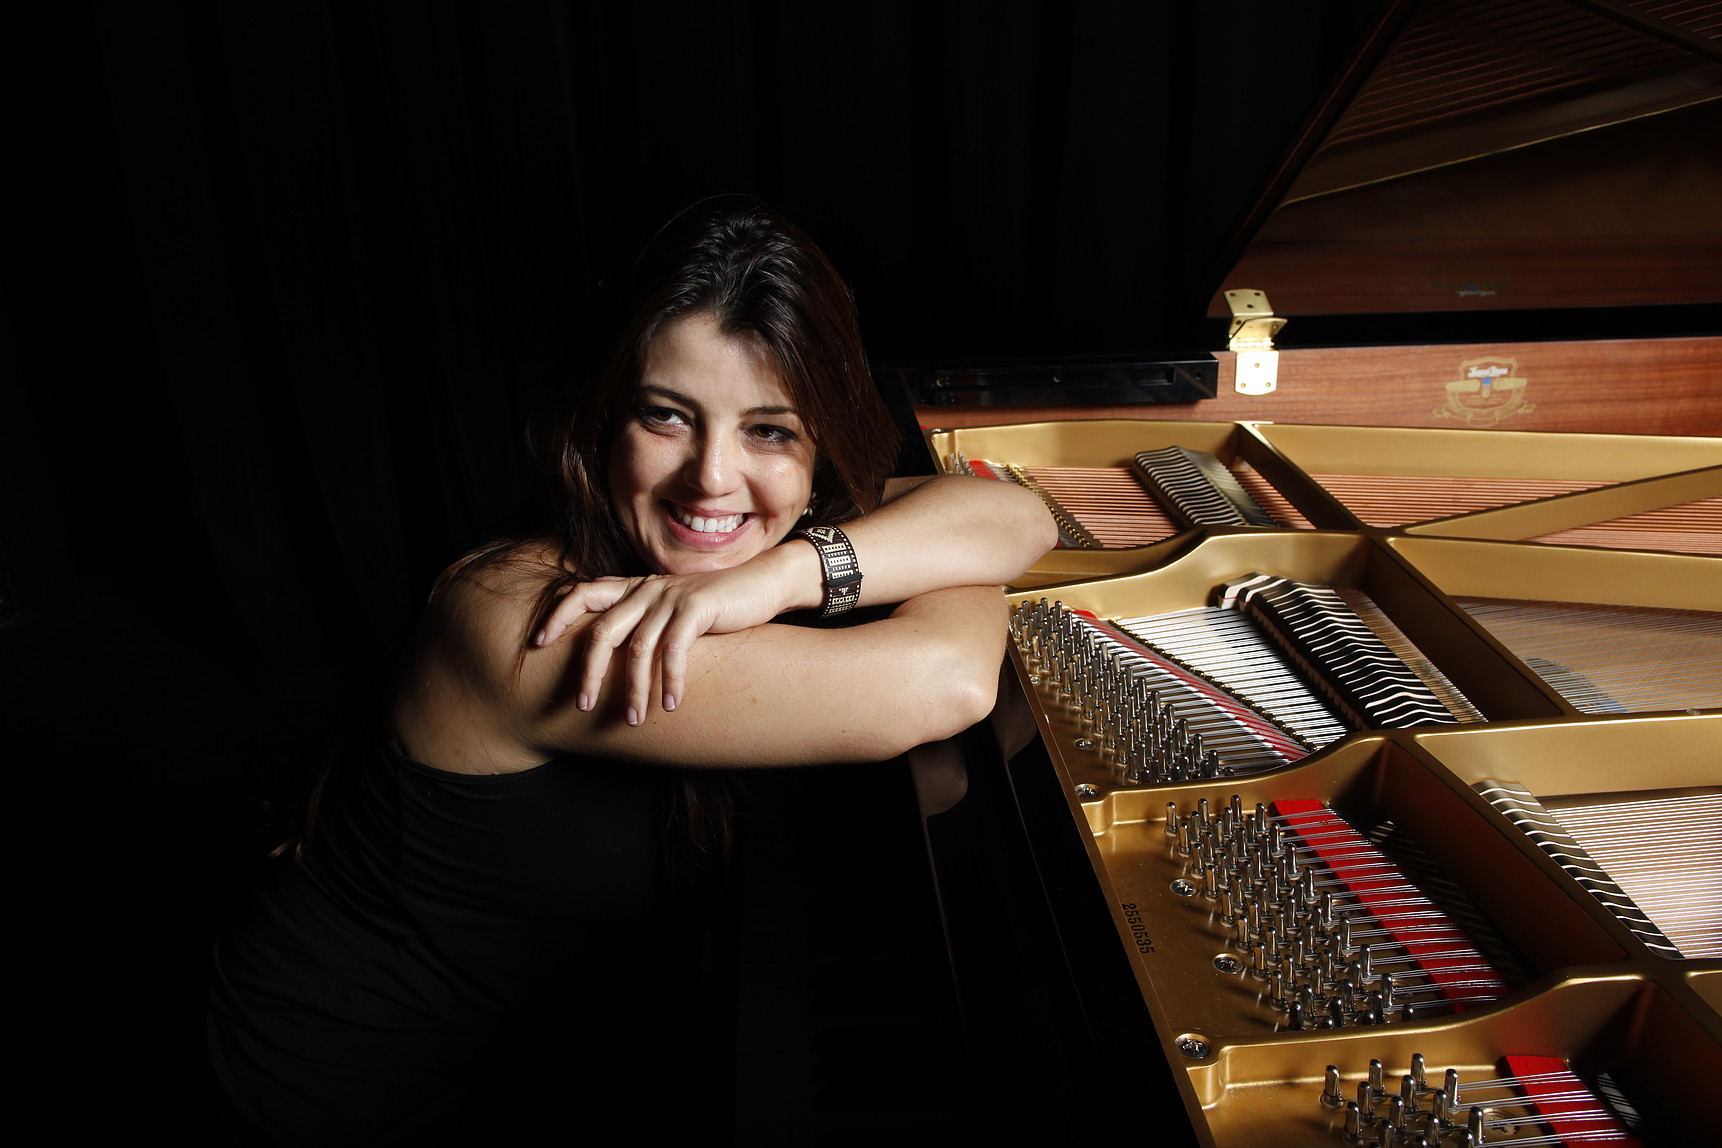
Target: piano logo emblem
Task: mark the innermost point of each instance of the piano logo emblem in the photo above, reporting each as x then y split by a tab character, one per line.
1486	392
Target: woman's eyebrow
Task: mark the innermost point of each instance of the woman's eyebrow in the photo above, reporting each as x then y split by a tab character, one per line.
664	392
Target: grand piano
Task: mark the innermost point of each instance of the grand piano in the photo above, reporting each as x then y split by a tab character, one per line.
1356	774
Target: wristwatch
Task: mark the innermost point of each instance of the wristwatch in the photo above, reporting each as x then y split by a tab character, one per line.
837	560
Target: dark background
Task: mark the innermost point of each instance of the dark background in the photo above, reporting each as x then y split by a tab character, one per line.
287	280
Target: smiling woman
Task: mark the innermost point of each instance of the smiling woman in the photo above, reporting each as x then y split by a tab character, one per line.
714	465
509	825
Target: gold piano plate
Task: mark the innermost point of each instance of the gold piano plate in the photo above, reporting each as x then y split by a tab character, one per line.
1602	972
1176	930
1504	484
1531	160
1580	986
1480	670
1616	491
1604	630
1093	459
1613	1030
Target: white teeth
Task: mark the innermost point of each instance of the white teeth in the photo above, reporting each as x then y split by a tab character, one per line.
710	525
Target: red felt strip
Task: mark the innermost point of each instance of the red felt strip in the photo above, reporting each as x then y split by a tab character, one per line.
1264	731
1439	946
1578	1120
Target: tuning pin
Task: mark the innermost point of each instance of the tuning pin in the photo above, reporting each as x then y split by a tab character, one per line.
1353	1133
1332	1096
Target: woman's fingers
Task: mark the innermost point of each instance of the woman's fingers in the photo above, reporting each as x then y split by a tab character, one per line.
594	664
660	646
621	605
657	619
677	641
642	654
591	597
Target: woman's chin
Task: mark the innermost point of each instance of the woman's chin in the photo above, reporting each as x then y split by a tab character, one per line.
702	559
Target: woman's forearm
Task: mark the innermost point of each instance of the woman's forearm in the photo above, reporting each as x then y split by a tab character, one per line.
930	534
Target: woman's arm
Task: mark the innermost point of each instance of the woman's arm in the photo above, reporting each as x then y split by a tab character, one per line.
930	534
766	695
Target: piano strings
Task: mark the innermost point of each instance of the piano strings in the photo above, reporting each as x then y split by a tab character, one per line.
1199	489
1338	929
1398	499
1666	853
1654	862
1690	528
1117	507
1532	1101
1281	668
1152	718
1114	507
1611	659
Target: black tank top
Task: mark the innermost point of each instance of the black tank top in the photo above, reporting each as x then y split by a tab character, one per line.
376	990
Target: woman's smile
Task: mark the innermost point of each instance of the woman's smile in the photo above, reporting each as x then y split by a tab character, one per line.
712	465
708	522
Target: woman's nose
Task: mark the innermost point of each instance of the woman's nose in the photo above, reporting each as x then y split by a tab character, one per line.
711	469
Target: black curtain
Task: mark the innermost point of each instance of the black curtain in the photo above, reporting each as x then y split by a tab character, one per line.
299	272
289	278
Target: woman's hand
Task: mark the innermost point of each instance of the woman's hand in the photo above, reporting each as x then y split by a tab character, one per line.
659	617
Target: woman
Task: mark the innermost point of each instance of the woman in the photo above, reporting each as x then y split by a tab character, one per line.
505	833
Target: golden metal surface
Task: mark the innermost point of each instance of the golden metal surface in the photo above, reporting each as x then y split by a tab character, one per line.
1488	453
1637	473
1586	989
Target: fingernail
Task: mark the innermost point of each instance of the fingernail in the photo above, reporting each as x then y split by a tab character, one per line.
538	638
633	716
669	702
583	702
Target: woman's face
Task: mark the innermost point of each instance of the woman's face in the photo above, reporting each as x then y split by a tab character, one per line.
711	464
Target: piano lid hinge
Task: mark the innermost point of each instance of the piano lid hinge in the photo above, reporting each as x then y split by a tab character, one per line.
1252	340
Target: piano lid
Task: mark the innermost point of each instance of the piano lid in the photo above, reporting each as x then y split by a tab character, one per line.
1501	155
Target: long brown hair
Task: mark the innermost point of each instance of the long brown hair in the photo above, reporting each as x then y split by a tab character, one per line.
755	273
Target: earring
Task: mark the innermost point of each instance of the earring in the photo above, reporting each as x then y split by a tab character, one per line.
812	502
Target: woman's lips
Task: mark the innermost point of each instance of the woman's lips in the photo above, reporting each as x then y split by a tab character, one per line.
706	530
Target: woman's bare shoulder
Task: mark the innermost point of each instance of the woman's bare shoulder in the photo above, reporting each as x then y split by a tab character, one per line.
504	570
495	590
455	702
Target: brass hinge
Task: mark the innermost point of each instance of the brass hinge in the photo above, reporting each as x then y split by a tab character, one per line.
1252	339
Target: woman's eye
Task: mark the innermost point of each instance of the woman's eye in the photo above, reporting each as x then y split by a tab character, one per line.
660	416
774	434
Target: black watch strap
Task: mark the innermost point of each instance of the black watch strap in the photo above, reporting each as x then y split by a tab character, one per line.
842	570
